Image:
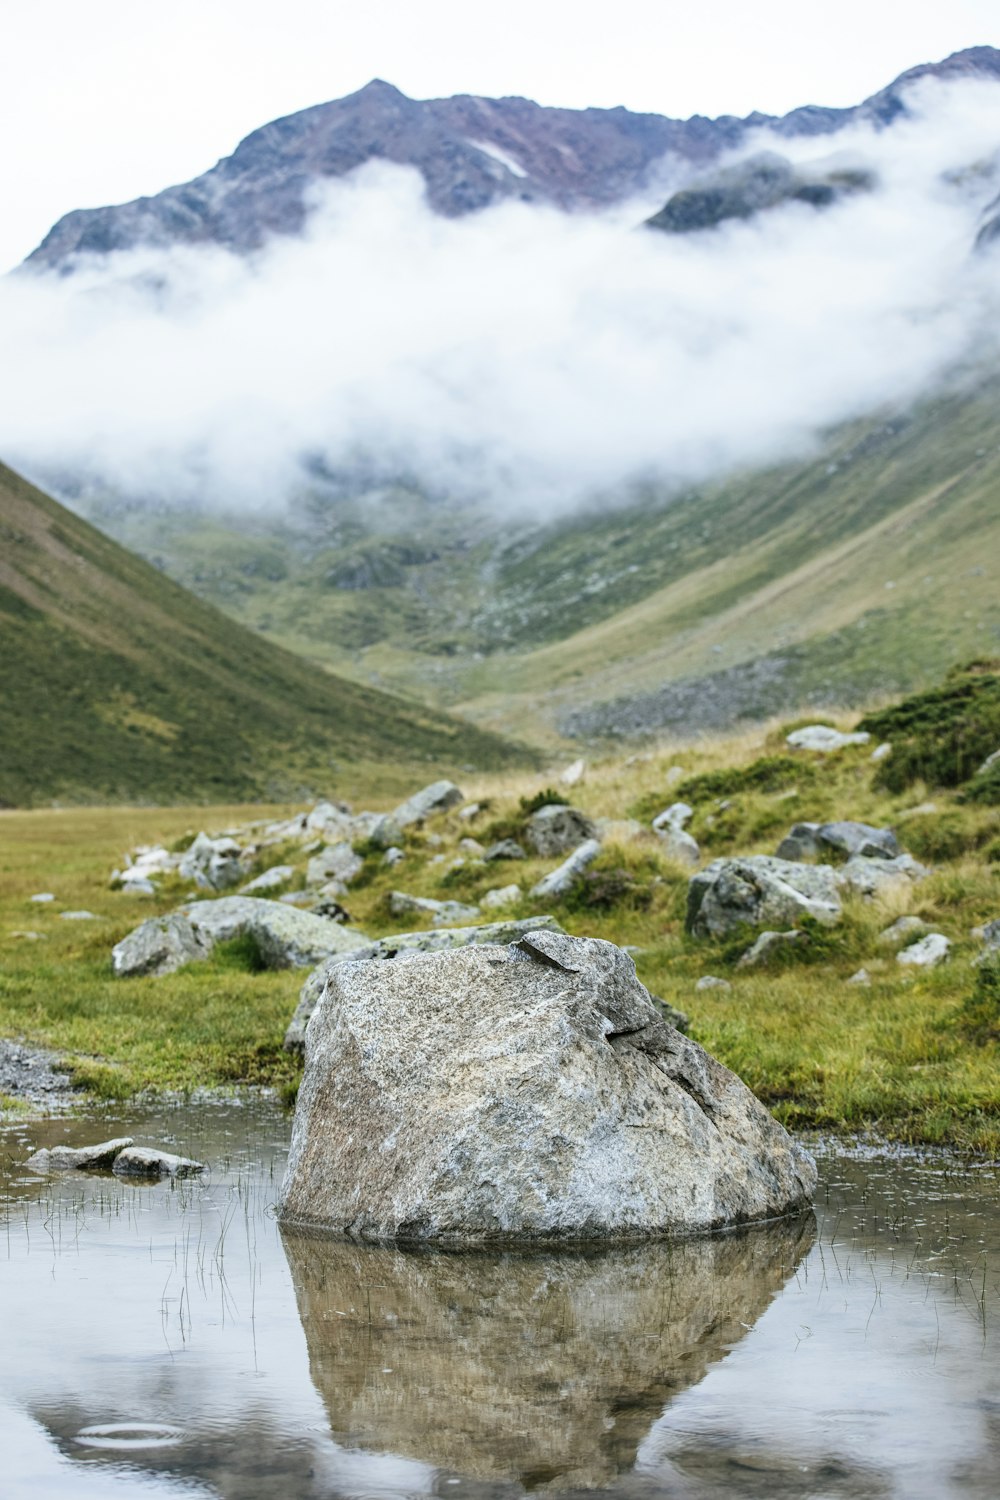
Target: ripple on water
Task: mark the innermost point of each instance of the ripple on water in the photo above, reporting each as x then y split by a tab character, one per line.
129	1435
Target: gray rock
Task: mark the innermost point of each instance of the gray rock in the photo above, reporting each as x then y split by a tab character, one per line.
504	849
42	898
559	881
674	816
801	842
500	896
988	763
306	899
159	946
859	838
269	880
136	885
213	864
881	751
873	877
822	738
861	977
759	891
470	811
78	916
403	945
401	904
143	1161
286	937
991	936
78	1158
767	946
331	820
678	845
525	1095
557	829
336	862
574	773
903	930
712	982
471	846
385	832
436	798
392	856
927	953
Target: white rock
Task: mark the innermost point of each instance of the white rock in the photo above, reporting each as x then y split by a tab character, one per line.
471	846
927	953
674	816
988	763
766	946
881	751
759	891
500	896
903	930
712	982
678	845
574	773
860	977
143	1161
43	897
822	738
559	881
335	862
402	904
470	810
436	798
874	877
269	880
493	1096
286	937
78	1158
78	916
213	864
392	856
556	829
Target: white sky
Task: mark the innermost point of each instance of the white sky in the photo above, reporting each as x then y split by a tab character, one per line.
104	100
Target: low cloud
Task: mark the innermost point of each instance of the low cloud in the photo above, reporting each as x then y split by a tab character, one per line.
523	355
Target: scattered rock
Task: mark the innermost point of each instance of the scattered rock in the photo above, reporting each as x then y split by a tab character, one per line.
306	899
504	849
574	773
670	1013
989	763
42	897
860	977
384	832
401	904
143	1161
470	811
859	838
213	864
471	846
759	890
536	1062
336	862
678	845
903	930
30	937
135	885
392	856
79	916
436	798
556	829
991	936
881	751
712	982
922	810
559	881
801	842
928	952
327	903
767	945
159	946
78	1158
875	877
403	945
286	937
822	738
499	896
269	880
674	816
31	1074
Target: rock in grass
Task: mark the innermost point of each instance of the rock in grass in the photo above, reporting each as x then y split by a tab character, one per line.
859	838
927	953
559	881
159	946
767	946
758	890
79	916
524	1095
556	829
402	904
335	862
436	798
500	896
403	945
903	930
712	982
800	842
504	849
678	845
823	739
143	1161
875	877
270	880
860	977
78	1158
212	863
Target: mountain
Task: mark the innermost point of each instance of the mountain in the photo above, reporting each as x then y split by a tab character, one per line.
471	152
865	570
116	684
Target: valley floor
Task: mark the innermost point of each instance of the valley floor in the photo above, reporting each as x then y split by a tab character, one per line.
896	1055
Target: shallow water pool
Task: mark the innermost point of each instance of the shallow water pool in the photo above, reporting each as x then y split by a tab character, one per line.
168	1340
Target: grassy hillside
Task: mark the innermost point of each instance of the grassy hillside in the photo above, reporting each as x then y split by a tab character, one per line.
861	570
117	684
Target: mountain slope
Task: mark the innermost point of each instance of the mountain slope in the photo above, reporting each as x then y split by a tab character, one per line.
115	683
470	151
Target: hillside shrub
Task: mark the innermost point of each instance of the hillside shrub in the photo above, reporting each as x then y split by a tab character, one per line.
771	773
941	736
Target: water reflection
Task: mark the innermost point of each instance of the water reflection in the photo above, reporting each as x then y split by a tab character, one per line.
546	1369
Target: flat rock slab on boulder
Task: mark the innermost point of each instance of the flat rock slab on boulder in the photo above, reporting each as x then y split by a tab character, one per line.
758	890
143	1161
79	1158
556	829
524	1095
405	945
436	798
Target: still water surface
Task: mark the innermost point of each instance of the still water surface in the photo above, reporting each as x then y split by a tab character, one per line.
170	1341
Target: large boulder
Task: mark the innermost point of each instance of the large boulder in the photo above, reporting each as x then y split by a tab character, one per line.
405	945
530	1094
286	938
436	798
159	946
758	890
557	829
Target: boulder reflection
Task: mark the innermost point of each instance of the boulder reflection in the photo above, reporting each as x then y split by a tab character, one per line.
543	1368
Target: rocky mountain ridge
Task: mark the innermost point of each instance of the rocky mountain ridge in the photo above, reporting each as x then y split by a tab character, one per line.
472	152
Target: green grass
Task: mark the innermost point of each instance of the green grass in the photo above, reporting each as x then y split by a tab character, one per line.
914	1057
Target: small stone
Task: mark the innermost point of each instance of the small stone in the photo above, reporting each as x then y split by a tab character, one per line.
42	897
335	862
143	1161
801	842
927	953
470	811
859	838
269	880
712	982
471	846
881	751
823	739
903	930
559	881
433	799
678	845
392	856
78	1158
78	916
500	896
574	773
441	912
861	977
674	816
557	828
504	849
767	945
873	877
